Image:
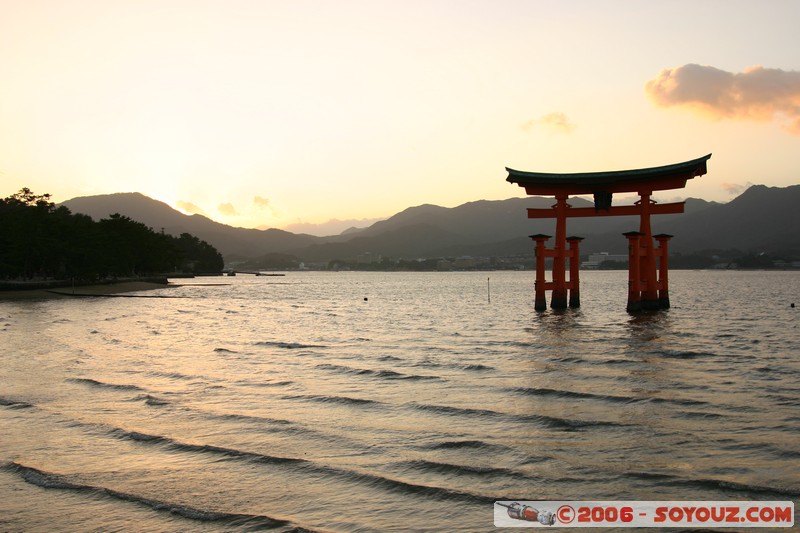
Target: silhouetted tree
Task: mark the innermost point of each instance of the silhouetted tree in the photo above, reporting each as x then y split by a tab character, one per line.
38	239
198	256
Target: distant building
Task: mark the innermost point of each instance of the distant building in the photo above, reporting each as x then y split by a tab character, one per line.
595	260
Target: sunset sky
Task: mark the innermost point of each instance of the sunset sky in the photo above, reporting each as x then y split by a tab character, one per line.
265	113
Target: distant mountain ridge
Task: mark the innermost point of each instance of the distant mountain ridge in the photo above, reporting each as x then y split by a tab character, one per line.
760	219
158	215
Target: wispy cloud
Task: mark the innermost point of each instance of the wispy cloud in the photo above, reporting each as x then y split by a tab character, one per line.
555	121
758	93
260	202
189	207
227	209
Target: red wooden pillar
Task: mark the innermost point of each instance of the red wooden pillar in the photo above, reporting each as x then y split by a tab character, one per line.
540	302
574	269
634	273
663	270
648	261
558	299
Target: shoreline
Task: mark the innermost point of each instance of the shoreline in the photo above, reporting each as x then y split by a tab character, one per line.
106	289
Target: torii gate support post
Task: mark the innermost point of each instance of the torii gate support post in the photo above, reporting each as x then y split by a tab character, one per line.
574	269
634	274
647	266
558	299
663	270
540	301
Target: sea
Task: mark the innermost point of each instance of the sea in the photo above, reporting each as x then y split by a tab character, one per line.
375	402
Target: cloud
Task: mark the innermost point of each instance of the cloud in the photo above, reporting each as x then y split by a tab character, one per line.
758	93
735	189
189	207
261	203
555	121
227	209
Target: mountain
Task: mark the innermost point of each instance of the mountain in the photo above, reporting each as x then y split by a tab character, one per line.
480	228
762	219
228	240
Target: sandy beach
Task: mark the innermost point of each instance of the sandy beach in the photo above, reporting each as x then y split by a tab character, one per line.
85	290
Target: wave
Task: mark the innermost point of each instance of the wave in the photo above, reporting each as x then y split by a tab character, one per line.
569	359
615	362
149	399
404	487
679	401
288	345
14	404
554	422
176	445
252	418
448	468
276	425
175	375
773	449
715	484
270	424
286	426
782	399
652	476
373	480
537	391
460	411
50	480
569	424
224	350
720	484
345	400
681	354
383	374
95	383
472	367
546	392
460	444
702	415
477	367
284	383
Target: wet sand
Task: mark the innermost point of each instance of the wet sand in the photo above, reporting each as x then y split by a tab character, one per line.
84	290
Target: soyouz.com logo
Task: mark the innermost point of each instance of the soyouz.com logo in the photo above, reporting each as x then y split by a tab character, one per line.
550	514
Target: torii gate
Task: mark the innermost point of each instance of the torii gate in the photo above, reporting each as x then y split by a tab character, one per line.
647	279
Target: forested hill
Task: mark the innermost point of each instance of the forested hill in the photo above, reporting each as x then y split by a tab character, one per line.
230	241
41	240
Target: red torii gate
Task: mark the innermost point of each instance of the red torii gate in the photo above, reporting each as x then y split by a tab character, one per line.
647	278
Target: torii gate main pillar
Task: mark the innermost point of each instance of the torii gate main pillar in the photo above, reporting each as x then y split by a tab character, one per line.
647	264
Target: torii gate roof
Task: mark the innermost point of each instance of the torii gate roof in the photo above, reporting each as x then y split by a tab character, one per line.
644	179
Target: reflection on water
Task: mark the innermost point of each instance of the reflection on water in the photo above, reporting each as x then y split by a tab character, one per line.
381	402
649	325
560	320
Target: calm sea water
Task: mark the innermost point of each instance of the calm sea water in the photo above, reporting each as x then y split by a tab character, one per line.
391	402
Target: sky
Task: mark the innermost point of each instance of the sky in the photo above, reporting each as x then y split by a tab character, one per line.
268	113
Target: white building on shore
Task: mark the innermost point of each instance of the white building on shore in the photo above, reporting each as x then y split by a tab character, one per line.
596	259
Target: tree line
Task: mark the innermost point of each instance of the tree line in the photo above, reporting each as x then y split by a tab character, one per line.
40	240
